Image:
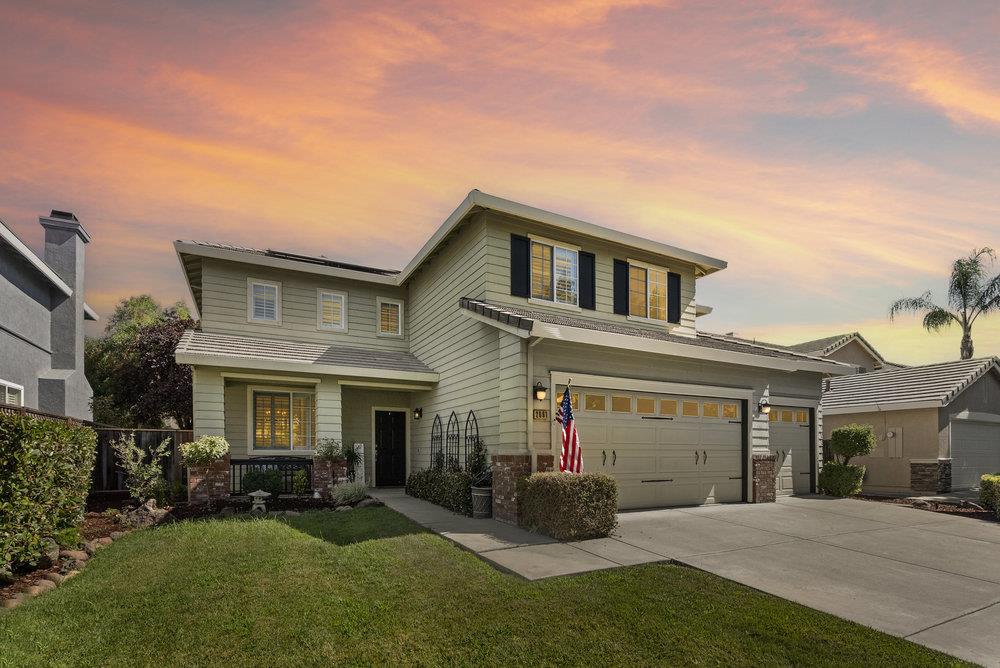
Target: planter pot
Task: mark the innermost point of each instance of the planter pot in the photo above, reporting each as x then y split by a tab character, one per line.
482	502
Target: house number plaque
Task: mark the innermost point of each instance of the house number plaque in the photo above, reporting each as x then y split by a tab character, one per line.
541	413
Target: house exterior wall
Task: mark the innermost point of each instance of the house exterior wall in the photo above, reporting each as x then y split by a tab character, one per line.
854	353
358	404
983	396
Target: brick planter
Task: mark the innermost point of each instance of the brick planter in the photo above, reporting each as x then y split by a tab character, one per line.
764	472
209	483
507	471
930	476
326	474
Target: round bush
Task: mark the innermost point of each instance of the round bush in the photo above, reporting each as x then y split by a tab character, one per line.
206	450
349	493
838	479
852	440
267	480
989	492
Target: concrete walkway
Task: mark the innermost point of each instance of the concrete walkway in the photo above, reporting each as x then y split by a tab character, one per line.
928	577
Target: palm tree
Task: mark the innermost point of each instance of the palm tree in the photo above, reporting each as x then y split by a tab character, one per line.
970	295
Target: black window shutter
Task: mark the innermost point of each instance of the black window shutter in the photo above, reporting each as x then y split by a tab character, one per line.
520	266
621	287
673	297
588	286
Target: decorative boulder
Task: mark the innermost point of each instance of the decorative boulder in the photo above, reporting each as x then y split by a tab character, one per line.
146	515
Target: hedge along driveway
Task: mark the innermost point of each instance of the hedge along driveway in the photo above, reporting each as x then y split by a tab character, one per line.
370	587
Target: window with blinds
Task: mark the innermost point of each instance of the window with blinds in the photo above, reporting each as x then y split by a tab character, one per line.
263	301
284	420
390	317
11	393
332	311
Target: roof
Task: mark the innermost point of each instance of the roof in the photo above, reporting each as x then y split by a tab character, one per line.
197	347
927	386
830	344
526	320
296	257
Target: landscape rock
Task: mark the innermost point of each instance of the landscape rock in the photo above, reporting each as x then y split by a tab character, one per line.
146	515
50	553
341	509
33	591
54	577
46	585
71	574
104	540
227	511
925	505
969	504
12	602
75	555
90	547
368	503
115	535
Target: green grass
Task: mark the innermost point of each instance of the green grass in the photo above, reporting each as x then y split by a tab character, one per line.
370	587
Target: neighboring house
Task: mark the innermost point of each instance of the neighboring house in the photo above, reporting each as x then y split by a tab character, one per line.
848	348
504	304
937	425
41	323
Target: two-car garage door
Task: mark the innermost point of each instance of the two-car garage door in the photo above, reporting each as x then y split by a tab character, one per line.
663	450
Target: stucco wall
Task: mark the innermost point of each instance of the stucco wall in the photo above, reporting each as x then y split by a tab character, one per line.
854	353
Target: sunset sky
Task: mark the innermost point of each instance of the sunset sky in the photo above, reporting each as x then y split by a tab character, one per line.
837	155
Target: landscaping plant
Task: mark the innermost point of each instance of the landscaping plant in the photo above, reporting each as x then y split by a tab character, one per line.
300	482
569	506
204	451
448	489
989	492
840	477
143	472
267	480
348	493
478	466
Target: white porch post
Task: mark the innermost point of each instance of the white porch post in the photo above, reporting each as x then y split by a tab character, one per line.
209	415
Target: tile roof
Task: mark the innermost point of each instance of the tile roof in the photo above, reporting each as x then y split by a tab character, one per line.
525	319
195	342
821	346
938	384
307	259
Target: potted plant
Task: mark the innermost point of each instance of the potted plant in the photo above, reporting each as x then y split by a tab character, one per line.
482	481
352	459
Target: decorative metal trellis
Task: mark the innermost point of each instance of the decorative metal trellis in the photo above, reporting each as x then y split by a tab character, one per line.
452	440
437	444
471	435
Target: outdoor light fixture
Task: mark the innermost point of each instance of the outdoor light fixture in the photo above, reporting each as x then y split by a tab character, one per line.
418	413
764	407
540	391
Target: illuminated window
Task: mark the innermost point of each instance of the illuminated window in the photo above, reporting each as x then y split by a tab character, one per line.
620	404
710	409
773	415
390	317
647	291
331	310
690	408
645	405
555	273
802	416
668	407
786	416
541	271
595	402
283	421
730	411
657	294
637	292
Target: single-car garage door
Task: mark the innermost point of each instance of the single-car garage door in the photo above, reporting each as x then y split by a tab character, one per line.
663	450
789	442
975	450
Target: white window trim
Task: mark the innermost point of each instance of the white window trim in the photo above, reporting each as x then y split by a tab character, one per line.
277	301
378	317
251	431
647	266
319	310
14	386
554	245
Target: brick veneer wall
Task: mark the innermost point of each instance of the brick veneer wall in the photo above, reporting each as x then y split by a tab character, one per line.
544	463
932	477
507	471
944	475
764	472
208	483
326	474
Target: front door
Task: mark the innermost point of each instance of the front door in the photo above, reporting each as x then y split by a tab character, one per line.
390	448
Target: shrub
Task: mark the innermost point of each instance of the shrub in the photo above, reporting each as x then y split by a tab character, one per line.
300	482
479	465
839	479
852	440
144	479
268	480
569	506
989	492
45	469
348	493
448	489
329	450
204	451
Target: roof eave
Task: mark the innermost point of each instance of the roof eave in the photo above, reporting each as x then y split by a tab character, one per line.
200	359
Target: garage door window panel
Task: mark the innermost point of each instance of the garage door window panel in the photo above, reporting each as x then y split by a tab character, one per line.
668	407
690	409
595	402
645	405
710	409
731	411
621	404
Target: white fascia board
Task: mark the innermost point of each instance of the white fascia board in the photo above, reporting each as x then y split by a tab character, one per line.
300	367
516	331
861	341
35	261
651	386
187	280
639	344
89	312
184	247
880	408
499	204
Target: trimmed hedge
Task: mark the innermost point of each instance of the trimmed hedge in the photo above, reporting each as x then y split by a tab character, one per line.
852	440
568	506
989	492
837	479
448	489
45	469
266	480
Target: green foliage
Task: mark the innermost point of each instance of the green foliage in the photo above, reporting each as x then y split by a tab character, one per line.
448	489
839	479
68	537
989	492
852	440
143	471
329	450
45	469
204	451
569	506
268	480
478	465
300	482
348	493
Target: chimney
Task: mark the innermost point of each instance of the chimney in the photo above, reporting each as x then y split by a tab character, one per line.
65	253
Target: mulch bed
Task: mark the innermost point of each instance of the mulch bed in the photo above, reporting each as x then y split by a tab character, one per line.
934	507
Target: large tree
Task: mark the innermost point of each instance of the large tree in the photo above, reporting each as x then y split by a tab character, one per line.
132	371
971	293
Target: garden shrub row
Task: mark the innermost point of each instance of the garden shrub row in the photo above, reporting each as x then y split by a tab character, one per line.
448	489
989	492
568	506
45	469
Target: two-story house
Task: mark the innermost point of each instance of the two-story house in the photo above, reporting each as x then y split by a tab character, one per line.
41	322
502	307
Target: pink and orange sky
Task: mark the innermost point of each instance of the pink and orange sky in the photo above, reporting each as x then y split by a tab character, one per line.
838	155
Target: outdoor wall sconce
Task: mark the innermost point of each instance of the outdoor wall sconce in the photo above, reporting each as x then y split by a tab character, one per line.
418	413
540	391
764	407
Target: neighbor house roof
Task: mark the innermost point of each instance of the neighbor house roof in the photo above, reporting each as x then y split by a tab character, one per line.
927	386
830	344
544	324
203	348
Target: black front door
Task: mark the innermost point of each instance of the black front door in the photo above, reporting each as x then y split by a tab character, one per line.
390	448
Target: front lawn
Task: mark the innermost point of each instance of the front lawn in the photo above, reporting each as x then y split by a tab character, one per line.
370	587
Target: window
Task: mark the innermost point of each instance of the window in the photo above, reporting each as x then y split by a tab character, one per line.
730	411
802	416
283	420
595	402
668	407
710	409
773	415
331	310
786	416
690	408
263	301
555	273
390	317
647	292
621	404
11	393
645	405
574	400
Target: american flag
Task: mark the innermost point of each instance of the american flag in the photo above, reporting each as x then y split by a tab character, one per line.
571	457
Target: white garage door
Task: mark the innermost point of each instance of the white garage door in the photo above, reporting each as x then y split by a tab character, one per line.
975	450
789	438
663	450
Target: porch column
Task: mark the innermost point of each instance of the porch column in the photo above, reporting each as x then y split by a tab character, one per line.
328	410
763	463
207	483
512	459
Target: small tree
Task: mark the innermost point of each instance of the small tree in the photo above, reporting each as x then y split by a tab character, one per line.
478	465
144	475
852	440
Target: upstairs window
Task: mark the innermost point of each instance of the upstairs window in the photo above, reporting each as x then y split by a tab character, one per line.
647	290
555	273
263	301
331	310
390	317
11	393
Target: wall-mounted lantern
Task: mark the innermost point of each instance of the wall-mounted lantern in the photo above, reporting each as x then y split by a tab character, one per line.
540	391
764	407
418	413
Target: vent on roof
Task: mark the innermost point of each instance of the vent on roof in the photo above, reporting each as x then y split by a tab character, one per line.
64	215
